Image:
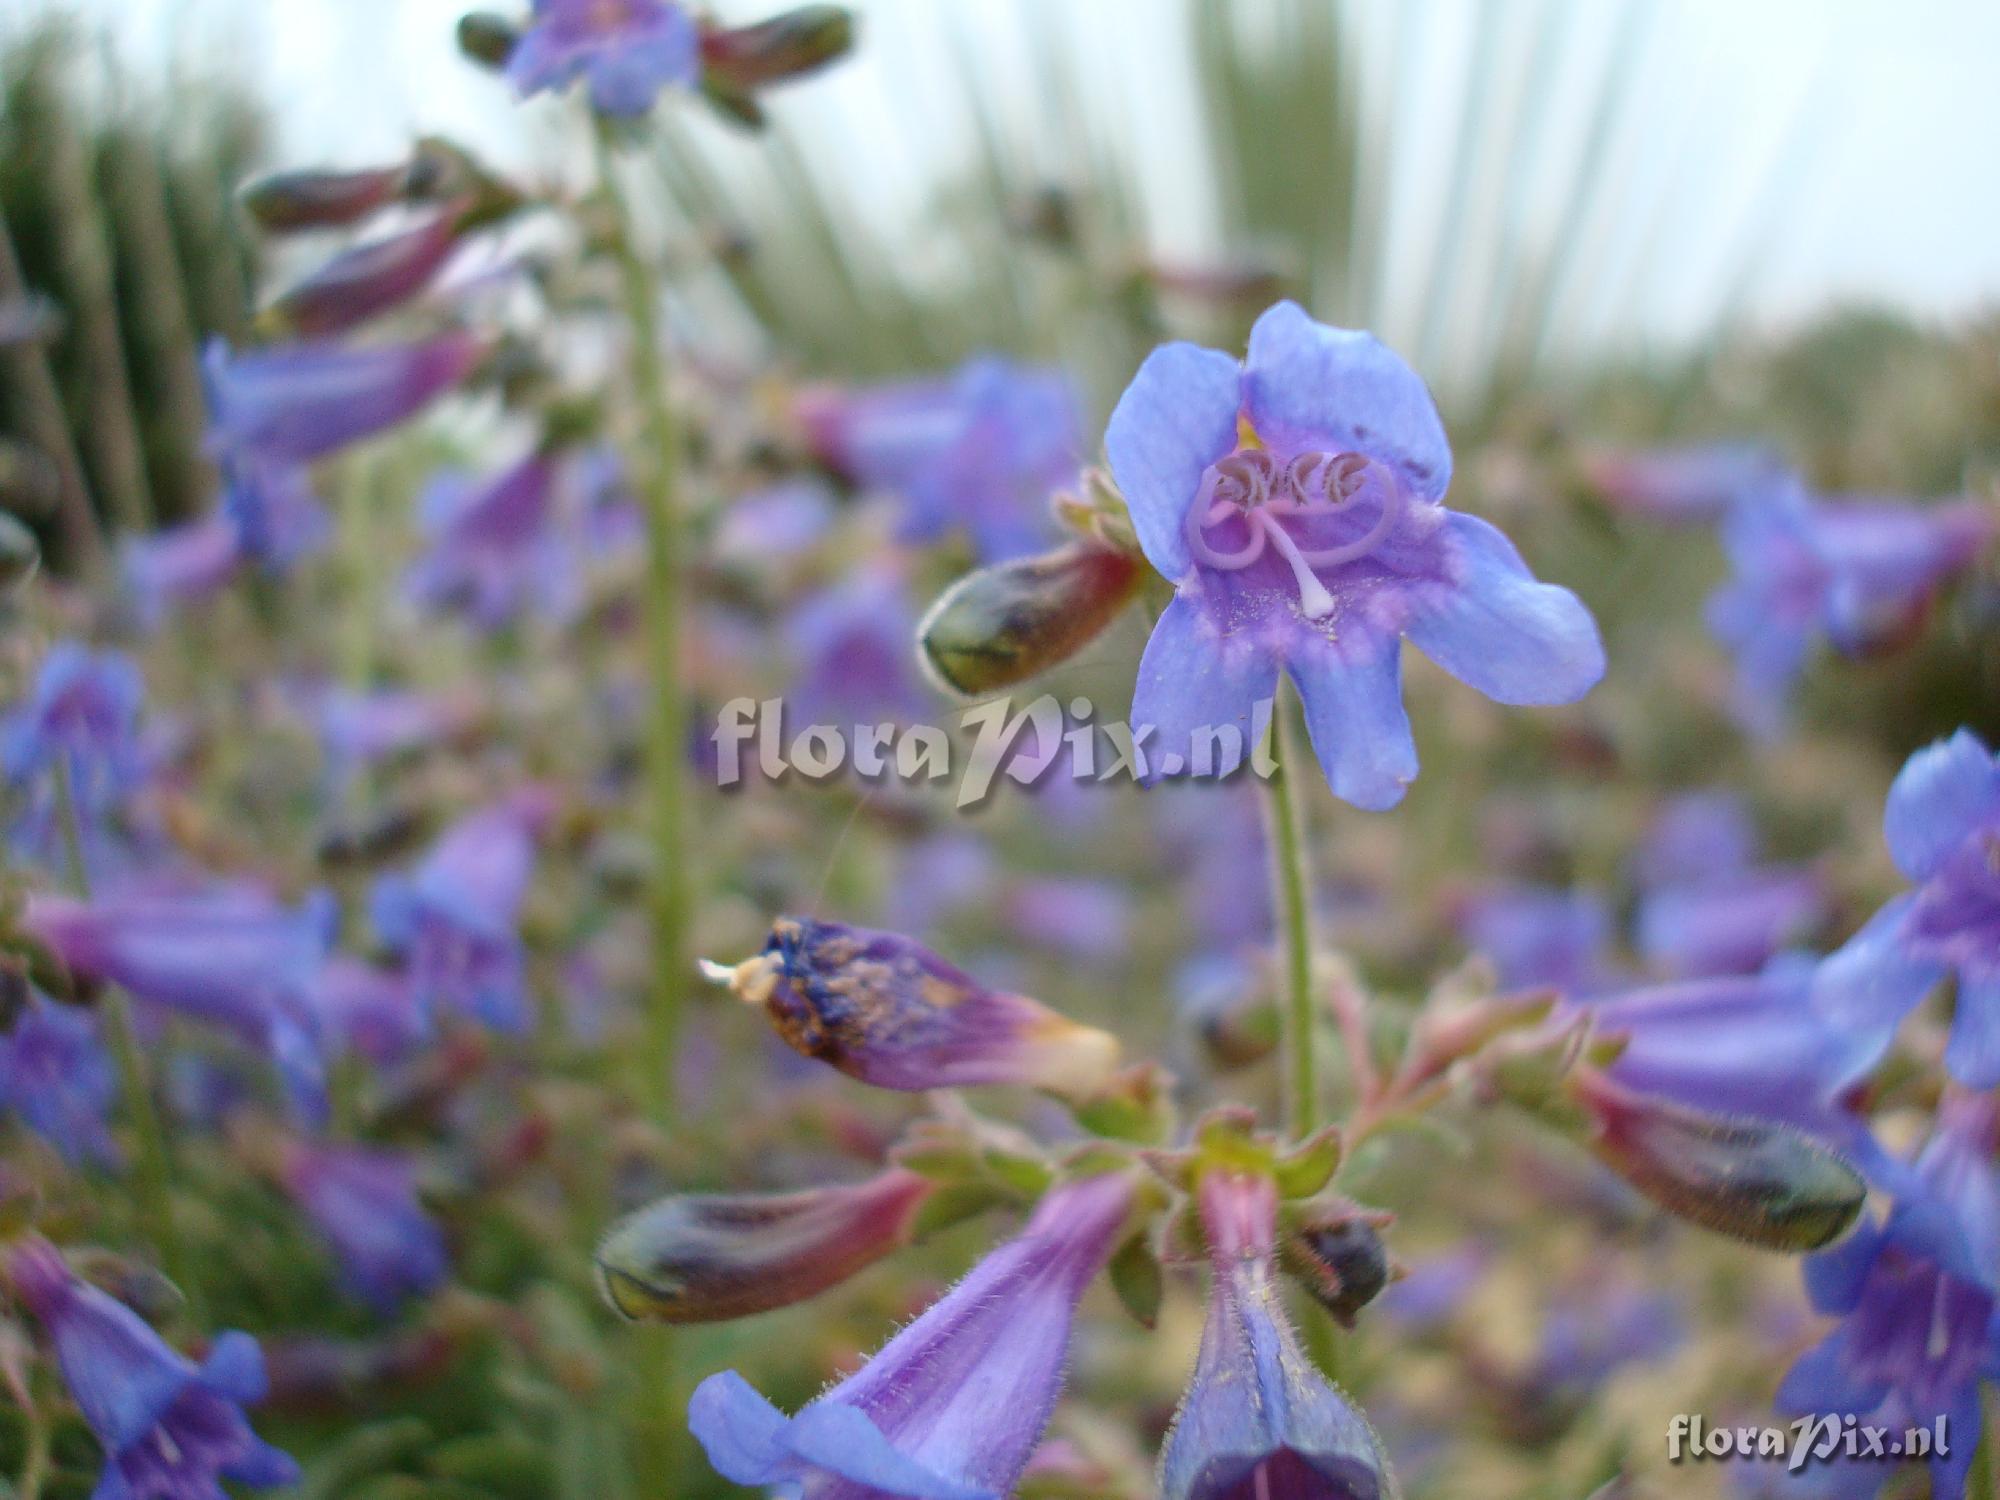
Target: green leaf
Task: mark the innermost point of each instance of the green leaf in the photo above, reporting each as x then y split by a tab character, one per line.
1138	1280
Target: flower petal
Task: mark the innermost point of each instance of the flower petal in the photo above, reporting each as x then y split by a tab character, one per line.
1942	793
1516	640
837	1439
1311	386
1869	984
1353	697
1973	1054
742	1433
235	1367
1834	1278
1195	685
1176	418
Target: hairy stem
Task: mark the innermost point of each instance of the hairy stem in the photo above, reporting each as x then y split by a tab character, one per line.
1292	887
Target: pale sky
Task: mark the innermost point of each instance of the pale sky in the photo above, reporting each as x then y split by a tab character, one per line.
1771	155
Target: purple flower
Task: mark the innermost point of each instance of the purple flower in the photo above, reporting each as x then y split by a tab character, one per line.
369	1011
1859	574
56	1075
368	279
83	711
1679	486
952	1407
1707	908
268	516
1591	1332
302	401
626	50
364	1202
1293	500
358	729
936	878
1537	936
1695	835
494	547
1258	1419
171	1430
1943	827
272	508
181	565
888	1011
455	918
854	645
1086	920
774	524
1916	1299
230	955
1745	1045
979	450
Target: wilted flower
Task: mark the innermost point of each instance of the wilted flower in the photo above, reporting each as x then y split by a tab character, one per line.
1859	574
704	1258
1679	486
980	449
230	955
1258	1419
171	1430
1293	500
955	1404
1916	1296
494	547
455	919
299	402
888	1011
364	1201
625	50
56	1075
1943	827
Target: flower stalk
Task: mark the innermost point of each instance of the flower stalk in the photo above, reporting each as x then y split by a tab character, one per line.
155	1165
658	479
1292	883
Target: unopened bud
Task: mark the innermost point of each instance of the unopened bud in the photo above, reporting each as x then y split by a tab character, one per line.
888	1011
321	200
1341	1261
20	554
487	39
706	1259
363	282
1004	624
787	46
1759	1181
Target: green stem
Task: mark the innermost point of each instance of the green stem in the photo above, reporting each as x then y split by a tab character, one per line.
155	1167
1292	885
1982	1479
666	741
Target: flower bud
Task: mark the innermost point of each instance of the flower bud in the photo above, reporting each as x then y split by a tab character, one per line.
289	201
368	280
787	46
1341	1261
1758	1181
1005	624
888	1011
487	38
706	1259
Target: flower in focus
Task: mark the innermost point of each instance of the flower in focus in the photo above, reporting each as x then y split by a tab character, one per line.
494	547
299	402
979	450
455	918
952	1407
1292	498
364	1202
56	1075
171	1430
891	1013
1943	827
230	955
1916	1296
1858	573
626	51
1258	1418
